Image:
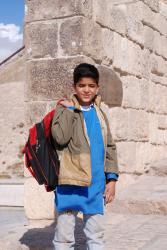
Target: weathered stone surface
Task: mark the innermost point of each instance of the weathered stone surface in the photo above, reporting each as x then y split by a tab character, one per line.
107	44
14	69
163	42
160	23
51	79
81	36
126	156
41	39
153	4
138	128
133	157
157	152
157	98
135	28
13	129
158	79
158	168
142	157
113	17
38	203
157	43
125	180
110	86
39	10
119	123
129	57
147	196
135	92
11	193
148	37
157	136
35	111
158	65
163	8
71	36
162	122
148	17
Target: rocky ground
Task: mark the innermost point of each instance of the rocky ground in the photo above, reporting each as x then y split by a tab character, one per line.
123	232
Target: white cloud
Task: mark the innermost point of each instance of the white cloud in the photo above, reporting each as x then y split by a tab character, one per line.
10	39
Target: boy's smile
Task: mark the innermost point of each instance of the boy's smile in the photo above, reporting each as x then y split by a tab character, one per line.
86	89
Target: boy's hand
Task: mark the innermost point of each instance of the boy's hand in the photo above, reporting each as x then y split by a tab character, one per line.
66	103
110	191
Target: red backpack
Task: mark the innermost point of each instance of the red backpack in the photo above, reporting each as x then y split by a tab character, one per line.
41	158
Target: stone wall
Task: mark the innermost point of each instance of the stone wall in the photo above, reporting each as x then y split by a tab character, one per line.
13	69
127	41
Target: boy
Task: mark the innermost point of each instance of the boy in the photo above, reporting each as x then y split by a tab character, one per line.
88	164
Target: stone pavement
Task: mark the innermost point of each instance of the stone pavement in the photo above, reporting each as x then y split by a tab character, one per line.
123	232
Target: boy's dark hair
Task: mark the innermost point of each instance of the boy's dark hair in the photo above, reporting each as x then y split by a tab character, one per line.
85	70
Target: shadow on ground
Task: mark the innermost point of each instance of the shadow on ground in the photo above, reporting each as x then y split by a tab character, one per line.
41	238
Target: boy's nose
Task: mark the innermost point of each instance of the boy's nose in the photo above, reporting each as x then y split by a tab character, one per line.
86	89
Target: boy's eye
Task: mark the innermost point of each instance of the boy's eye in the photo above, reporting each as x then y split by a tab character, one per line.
90	86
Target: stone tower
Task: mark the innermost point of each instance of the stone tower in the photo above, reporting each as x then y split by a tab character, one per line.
127	41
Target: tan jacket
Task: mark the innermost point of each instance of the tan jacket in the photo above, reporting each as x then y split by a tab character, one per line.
69	132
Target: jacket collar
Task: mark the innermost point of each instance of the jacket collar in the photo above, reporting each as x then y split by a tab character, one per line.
97	101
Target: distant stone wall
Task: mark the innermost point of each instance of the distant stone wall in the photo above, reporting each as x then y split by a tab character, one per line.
127	41
13	70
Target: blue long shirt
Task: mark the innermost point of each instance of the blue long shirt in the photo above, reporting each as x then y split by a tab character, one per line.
88	200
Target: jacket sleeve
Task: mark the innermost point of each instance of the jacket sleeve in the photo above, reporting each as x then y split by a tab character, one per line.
111	163
61	127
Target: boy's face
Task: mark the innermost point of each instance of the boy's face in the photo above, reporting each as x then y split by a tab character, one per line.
86	89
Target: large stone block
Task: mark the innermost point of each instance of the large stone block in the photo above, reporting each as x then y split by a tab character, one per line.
126	156
125	55
135	92
158	79
138	126
157	152
162	122
158	65
163	44
142	157
43	9
135	29
119	123
126	180
80	35
157	98
163	9
160	23
52	78
38	203
41	39
110	86
130	58
108	15
108	46
153	4
142	12
144	63
156	135
157	43
148	37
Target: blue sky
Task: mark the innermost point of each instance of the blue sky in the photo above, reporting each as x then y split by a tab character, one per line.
11	26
